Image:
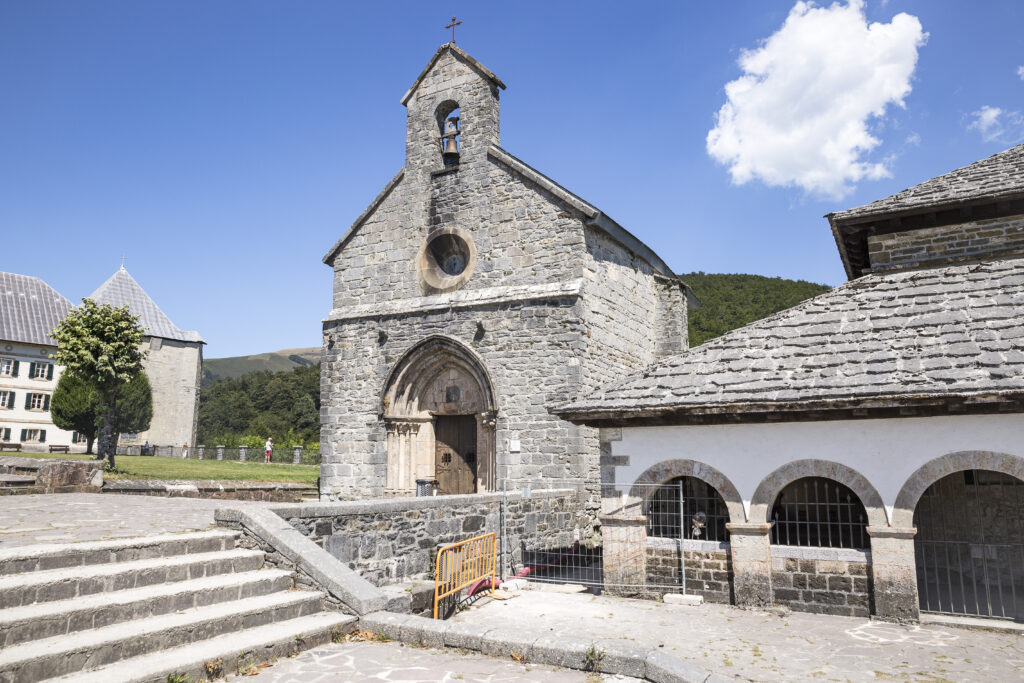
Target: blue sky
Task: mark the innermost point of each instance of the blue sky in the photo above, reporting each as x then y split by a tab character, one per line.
224	146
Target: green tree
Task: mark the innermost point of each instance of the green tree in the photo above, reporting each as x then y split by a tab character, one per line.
99	344
134	405
76	407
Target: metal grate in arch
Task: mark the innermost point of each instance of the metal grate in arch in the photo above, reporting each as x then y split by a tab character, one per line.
704	513
819	512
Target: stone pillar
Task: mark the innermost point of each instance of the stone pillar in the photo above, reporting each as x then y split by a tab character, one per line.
296	455
220	452
486	451
894	573
624	552
242	453
392	454
751	564
200	452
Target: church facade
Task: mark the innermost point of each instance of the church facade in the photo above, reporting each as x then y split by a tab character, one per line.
470	296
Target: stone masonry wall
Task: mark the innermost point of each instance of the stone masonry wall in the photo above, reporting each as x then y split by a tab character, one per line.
389	541
976	240
174	372
836	587
708	572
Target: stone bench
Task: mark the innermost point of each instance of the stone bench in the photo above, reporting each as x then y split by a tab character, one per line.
60	449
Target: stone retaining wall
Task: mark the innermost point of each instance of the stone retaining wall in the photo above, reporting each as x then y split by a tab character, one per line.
55	476
275	492
395	539
822	580
708	568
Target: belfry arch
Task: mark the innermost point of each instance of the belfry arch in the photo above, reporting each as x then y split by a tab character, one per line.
439	411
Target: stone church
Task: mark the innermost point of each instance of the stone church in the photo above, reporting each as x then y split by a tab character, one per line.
472	295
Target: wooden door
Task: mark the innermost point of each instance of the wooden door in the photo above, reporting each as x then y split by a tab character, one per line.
455	454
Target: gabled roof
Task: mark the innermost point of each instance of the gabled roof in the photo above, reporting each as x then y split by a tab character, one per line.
990	188
459	52
367	212
29	309
1000	175
121	288
889	340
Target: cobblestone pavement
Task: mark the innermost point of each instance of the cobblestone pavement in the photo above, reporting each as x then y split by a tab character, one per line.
73	517
371	661
763	646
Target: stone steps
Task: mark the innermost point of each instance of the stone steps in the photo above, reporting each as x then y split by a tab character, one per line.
226	654
141	609
57	555
15	480
47	619
39	659
61	584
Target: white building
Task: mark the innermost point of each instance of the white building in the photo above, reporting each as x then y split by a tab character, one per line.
860	453
29	310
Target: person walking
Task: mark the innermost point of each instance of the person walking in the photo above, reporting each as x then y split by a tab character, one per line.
269	446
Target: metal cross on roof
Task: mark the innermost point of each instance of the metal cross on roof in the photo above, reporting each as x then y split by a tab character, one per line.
452	27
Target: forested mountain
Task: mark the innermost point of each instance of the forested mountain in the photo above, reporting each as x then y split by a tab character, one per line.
729	301
285	405
246	410
237	366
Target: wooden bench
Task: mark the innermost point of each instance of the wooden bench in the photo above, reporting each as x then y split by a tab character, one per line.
60	449
10	446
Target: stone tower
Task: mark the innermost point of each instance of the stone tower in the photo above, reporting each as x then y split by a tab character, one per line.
473	295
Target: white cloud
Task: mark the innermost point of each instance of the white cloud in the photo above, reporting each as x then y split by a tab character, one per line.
799	114
997	125
1020	72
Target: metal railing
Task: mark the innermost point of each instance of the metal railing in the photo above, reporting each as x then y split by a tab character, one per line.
461	565
281	455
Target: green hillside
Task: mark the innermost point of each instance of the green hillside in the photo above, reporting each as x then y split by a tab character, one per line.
729	301
276	361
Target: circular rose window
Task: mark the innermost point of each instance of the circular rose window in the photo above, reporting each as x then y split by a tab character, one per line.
447	260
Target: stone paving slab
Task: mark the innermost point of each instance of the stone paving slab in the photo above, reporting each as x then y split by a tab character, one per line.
762	646
375	661
74	517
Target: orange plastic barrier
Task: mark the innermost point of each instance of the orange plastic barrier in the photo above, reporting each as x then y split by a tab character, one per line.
463	564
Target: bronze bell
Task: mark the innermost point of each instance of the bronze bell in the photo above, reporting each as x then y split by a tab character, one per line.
451	145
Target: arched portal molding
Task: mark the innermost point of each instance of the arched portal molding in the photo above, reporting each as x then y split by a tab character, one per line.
933	470
772	485
667	470
421	365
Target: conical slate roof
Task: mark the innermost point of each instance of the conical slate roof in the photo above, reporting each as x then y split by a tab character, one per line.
29	309
121	288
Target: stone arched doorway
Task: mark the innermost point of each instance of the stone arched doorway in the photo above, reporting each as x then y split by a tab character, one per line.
968	509
439	411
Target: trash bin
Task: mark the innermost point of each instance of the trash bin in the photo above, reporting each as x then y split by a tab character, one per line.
425	487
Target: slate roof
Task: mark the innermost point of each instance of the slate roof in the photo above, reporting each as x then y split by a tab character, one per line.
955	331
1000	175
121	288
29	309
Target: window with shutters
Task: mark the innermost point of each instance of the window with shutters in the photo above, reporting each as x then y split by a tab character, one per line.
33	435
37	401
5	434
42	371
6	367
5	399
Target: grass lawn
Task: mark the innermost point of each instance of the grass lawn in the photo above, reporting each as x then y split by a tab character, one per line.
140	467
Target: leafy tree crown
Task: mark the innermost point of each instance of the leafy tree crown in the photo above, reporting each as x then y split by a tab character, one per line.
99	344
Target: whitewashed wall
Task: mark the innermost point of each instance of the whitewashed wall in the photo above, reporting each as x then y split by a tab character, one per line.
886	452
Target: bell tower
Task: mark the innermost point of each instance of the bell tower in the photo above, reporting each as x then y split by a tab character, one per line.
453	113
